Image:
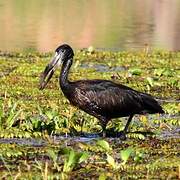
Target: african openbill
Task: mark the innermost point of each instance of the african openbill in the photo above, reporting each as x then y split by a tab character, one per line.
102	99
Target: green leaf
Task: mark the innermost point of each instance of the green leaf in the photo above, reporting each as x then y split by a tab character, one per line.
135	71
125	154
84	156
159	71
12	117
52	155
49	114
111	161
104	144
141	136
150	81
69	162
102	177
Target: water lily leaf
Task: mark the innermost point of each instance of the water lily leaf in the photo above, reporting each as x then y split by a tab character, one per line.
102	177
125	154
104	144
135	71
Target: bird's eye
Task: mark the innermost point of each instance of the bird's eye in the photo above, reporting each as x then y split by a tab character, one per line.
62	50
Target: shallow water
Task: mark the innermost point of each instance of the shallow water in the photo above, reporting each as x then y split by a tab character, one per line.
102	67
88	138
24	141
116	25
175	133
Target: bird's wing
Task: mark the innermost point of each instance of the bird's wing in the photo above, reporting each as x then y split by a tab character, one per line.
107	97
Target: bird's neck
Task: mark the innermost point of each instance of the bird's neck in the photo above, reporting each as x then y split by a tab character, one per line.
63	79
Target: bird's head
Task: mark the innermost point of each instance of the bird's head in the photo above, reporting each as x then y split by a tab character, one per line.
62	54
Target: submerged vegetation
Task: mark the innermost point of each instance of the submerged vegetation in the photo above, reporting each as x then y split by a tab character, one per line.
40	131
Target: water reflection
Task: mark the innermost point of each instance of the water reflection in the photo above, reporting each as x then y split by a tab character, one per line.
118	24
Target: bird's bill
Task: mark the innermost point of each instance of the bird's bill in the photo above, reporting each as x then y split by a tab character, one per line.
49	71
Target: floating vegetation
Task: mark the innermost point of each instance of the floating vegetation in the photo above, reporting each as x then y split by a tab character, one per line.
43	137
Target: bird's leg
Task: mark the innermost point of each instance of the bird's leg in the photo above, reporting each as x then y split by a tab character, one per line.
104	131
103	125
123	133
82	123
128	123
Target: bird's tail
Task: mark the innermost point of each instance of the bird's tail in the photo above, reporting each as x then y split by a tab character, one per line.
151	105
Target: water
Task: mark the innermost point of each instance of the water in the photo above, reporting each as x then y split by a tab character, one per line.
89	138
115	25
102	67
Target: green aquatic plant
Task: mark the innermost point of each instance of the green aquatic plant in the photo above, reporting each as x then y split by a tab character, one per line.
135	71
8	114
73	158
28	115
112	163
104	145
125	154
54	156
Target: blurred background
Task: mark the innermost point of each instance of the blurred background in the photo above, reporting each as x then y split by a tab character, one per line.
41	25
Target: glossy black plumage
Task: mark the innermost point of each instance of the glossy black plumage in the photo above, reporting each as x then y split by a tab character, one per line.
102	99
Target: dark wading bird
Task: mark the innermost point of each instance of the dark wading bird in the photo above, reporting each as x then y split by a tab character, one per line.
102	99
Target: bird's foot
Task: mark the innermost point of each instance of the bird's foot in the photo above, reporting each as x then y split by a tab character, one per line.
102	134
121	135
113	134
